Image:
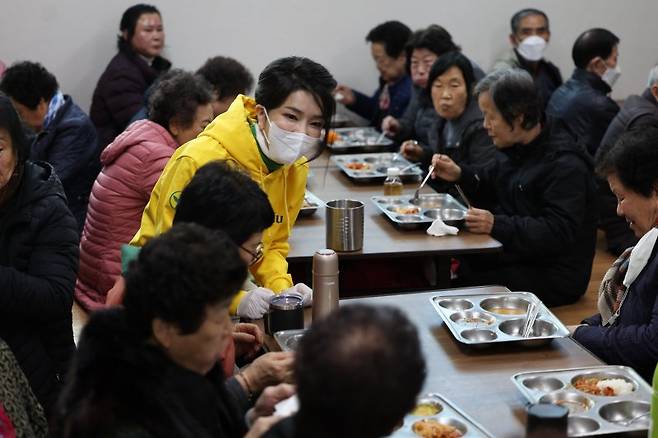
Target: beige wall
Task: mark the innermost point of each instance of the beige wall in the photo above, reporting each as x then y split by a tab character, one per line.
76	38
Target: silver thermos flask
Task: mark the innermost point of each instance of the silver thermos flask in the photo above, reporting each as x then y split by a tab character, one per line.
325	282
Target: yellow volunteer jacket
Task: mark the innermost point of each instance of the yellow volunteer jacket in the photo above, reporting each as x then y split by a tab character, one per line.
229	137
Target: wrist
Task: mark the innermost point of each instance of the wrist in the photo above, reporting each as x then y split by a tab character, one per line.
245	383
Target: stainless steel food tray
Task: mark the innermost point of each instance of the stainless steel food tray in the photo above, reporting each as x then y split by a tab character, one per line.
375	166
310	205
590	414
365	139
485	319
288	340
407	212
449	414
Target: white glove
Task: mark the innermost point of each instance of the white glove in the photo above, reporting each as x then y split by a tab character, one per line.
303	290
255	303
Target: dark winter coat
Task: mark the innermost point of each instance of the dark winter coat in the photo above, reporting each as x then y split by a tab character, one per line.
632	340
124	386
368	107
38	265
70	144
582	103
119	93
544	215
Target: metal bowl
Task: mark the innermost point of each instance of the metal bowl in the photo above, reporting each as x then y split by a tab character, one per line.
540	328
602	376
429	201
455	304
450	216
479	335
474	319
576	403
505	305
578	426
543	384
624	411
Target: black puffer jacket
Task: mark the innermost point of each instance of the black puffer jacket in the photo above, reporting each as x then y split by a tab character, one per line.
119	93
582	103
38	265
70	144
123	386
545	215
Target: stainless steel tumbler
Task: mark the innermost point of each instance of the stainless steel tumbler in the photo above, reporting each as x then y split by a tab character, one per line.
345	225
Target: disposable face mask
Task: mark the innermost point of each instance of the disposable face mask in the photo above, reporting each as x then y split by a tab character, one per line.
285	147
532	48
610	75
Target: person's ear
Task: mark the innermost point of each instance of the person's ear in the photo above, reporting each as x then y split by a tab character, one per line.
513	41
596	66
261	118
654	91
163	332
174	128
124	35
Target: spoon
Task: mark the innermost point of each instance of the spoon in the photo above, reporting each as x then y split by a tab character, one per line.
380	138
632	420
417	192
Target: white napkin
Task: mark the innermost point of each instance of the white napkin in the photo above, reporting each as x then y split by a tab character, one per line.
287	407
439	228
640	255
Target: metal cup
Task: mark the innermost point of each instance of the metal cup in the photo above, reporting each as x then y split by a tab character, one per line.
286	313
345	225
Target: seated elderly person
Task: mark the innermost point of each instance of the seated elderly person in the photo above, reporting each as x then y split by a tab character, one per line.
38	261
358	372
541	187
65	136
150	368
387	46
625	332
458	132
424	47
228	78
636	113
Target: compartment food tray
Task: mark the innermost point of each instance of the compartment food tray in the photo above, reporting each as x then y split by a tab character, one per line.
355	139
486	319
288	340
310	205
590	414
372	167
407	212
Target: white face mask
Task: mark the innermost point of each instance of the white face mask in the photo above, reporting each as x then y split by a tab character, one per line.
610	75
532	48
285	147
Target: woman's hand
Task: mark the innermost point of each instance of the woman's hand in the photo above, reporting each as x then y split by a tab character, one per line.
264	406
479	221
445	168
344	95
269	369
261	426
248	339
411	150
390	126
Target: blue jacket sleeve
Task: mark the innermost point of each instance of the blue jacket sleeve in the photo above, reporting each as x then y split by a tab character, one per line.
73	150
364	105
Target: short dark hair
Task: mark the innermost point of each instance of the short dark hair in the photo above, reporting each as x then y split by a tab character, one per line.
226	76
178	274
28	82
176	97
444	63
434	38
515	22
634	159
221	197
10	121
129	21
358	372
286	75
514	93
392	34
593	43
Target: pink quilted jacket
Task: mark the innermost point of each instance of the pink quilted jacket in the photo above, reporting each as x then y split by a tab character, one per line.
132	164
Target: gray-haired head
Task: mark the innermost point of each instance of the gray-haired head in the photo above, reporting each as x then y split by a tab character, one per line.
515	22
513	92
653	76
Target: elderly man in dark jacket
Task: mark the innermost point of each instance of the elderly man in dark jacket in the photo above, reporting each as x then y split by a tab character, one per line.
542	186
582	102
38	264
637	112
65	136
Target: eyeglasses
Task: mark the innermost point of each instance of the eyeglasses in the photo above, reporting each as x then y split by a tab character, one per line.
256	255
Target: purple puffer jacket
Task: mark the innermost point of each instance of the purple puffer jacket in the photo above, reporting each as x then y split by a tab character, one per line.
132	165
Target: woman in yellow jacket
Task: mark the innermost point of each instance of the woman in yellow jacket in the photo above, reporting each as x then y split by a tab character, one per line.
272	138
